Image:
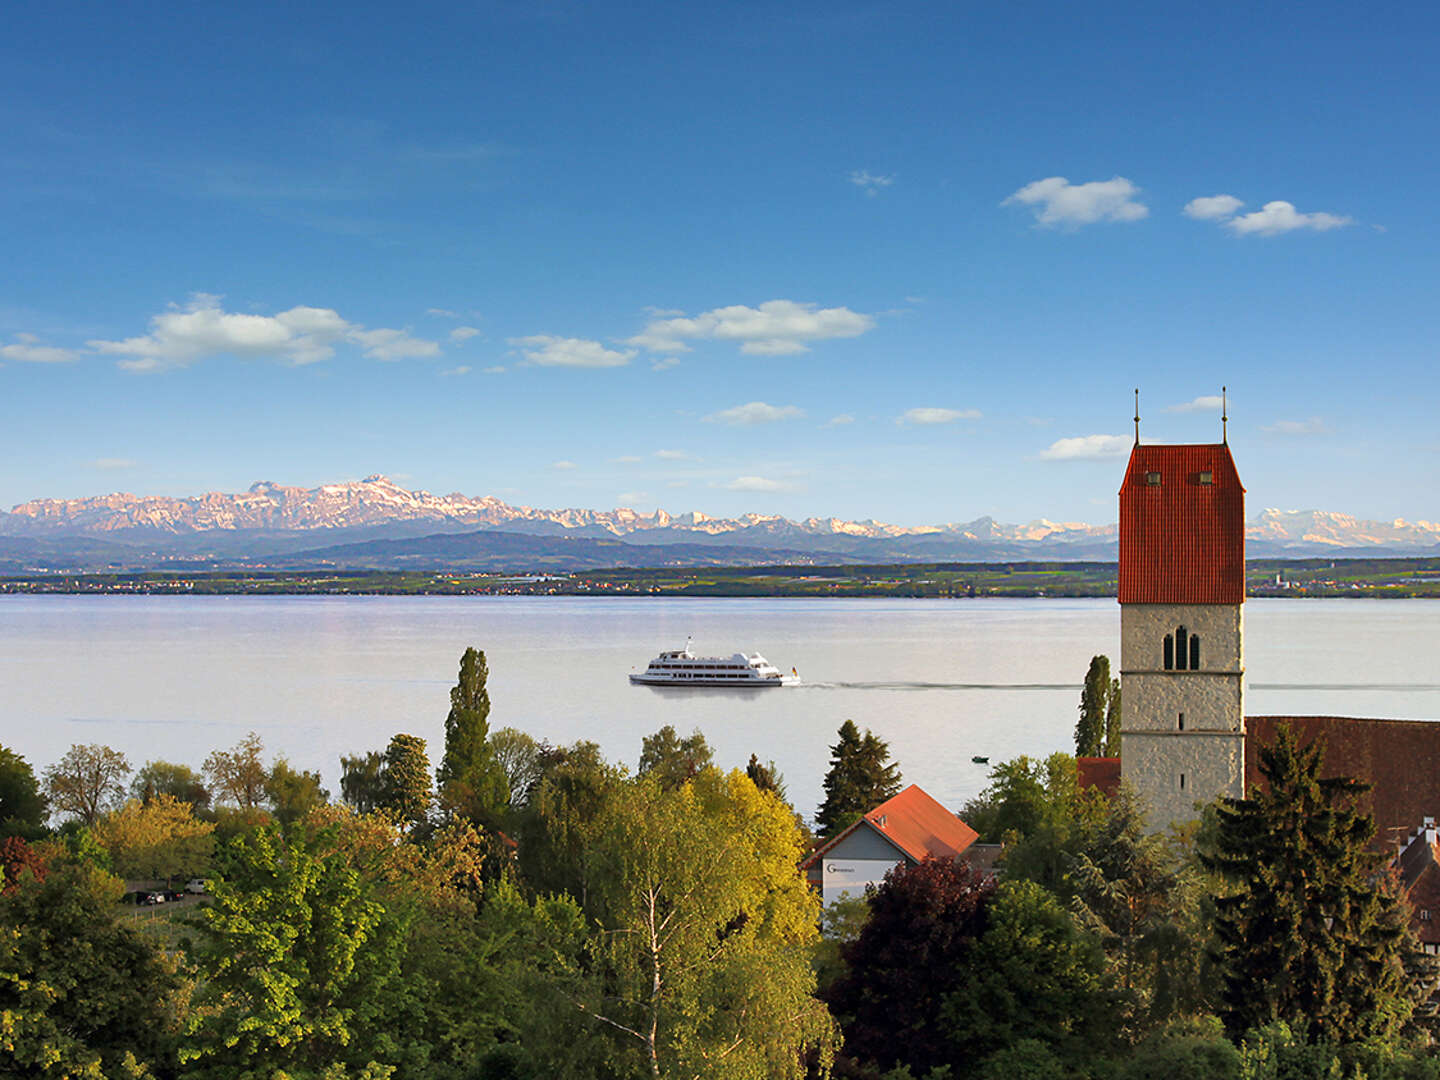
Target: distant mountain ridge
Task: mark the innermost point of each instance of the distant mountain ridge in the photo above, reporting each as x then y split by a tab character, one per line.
375	522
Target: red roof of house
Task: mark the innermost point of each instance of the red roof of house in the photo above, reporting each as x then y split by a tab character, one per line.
1399	758
1099	772
1182	541
913	822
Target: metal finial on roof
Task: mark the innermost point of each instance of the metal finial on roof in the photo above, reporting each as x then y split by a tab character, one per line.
1137	416
1224	417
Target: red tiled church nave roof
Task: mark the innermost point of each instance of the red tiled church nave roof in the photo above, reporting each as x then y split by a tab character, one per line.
916	824
1102	773
1182	526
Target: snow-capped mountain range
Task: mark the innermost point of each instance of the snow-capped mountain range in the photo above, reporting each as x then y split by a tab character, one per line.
271	518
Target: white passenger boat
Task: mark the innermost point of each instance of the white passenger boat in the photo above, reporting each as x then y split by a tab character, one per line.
683	668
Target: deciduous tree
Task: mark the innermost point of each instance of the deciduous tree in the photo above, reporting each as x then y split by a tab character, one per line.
362	780
1112	721
673	760
87	781
168	778
1308	931
156	839
22	807
293	793
470	780
238	775
518	756
861	777
19	860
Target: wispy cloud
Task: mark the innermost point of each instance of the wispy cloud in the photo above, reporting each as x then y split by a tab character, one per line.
564	466
302	335
1212	207
1057	202
756	412
28	350
756	484
627	459
933	415
547	350
442	313
1088	448
460	369
494	369
627	497
869	182
775	328
672	455
1205	403
1312	426
839	421
463	333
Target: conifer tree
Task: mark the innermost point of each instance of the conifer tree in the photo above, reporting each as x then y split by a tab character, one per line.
1090	728
1309	933
861	777
471	782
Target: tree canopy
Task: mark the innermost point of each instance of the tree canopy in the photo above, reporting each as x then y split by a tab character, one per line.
23	808
87	781
238	775
168	778
1090	734
405	789
673	760
472	784
156	839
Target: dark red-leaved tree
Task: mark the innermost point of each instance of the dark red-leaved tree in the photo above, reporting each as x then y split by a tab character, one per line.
906	960
16	857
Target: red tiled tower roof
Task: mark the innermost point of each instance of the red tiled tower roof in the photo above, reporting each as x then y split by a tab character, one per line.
1182	540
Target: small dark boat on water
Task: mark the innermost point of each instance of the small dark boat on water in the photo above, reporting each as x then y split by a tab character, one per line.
978	760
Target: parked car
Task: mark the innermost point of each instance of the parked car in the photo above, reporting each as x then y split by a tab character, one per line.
158	896
198	885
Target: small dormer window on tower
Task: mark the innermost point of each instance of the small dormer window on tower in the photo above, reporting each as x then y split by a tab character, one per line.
1207	478
1153	479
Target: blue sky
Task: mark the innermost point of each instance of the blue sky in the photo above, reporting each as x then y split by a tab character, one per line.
902	261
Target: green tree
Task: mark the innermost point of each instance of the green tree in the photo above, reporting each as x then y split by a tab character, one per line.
293	793
705	931
406	791
861	777
22	807
1026	795
1031	975
1090	728
293	963
87	781
238	775
1308	931
168	778
471	782
518	756
156	839
362	780
1112	721
560	818
766	777
81	995
673	760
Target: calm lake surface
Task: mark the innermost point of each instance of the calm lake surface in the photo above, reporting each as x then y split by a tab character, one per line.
317	677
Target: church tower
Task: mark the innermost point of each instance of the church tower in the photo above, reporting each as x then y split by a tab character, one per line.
1182	656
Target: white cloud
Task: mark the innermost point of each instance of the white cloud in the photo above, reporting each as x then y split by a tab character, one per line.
869	182
756	412
547	350
392	344
677	483
931	415
113	463
1056	201
28	350
839	421
497	369
1280	216
1088	448
627	459
626	497
564	465
1206	403
775	328
672	455
461	369
463	333
1212	207
302	335
442	313
1313	426
755	483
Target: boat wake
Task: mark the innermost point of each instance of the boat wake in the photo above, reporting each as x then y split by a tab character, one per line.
813	685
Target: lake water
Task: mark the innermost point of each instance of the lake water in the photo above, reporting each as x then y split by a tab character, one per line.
941	681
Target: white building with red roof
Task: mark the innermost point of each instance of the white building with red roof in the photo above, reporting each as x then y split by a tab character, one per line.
904	830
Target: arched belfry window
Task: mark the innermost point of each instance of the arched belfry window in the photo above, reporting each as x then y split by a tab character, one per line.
1169	651
1194	652
1182	649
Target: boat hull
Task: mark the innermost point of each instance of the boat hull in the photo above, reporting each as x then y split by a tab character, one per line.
643	679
